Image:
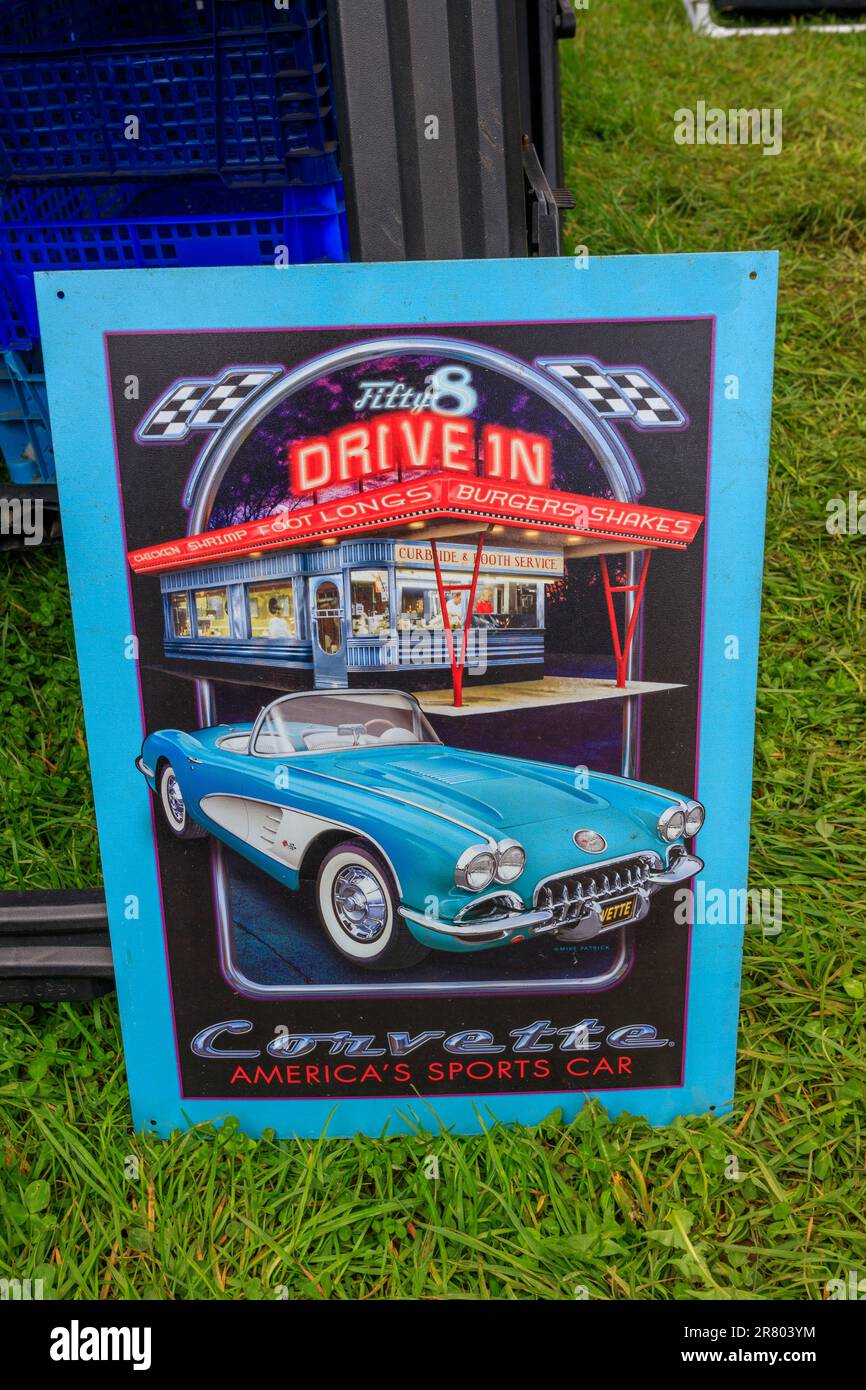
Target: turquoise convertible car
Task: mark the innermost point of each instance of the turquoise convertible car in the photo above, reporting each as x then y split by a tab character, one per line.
412	845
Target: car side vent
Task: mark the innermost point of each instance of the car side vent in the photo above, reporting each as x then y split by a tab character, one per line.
270	826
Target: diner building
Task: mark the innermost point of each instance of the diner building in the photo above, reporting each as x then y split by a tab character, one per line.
364	607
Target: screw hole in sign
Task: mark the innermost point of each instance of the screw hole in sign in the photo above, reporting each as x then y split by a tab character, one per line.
61	294
753	274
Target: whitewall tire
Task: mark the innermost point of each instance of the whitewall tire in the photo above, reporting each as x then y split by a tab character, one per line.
358	901
173	807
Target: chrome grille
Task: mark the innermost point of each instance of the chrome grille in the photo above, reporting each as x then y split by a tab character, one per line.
565	894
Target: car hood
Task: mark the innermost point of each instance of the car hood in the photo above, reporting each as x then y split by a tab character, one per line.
490	793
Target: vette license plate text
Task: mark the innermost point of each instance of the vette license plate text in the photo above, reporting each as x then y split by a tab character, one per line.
619	911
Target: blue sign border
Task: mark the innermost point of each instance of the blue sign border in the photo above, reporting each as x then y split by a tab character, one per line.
76	309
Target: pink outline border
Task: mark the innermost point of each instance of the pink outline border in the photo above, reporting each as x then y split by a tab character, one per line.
479	323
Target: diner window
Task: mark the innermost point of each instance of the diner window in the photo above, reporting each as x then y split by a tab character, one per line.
505	605
371	614
411	607
211	613
523	605
180	622
489	602
272	610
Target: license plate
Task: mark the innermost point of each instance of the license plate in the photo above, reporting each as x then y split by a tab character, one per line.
619	911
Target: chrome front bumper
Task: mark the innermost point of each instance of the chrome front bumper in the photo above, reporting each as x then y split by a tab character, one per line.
542	920
537	922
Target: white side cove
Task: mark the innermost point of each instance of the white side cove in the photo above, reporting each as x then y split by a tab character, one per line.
279	833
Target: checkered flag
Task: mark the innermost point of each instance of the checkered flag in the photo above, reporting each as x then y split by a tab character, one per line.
618	393
653	408
587	378
202	404
169	418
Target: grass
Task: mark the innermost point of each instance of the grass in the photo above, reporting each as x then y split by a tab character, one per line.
597	1208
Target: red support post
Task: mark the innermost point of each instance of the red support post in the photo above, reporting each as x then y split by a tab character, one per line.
446	622
457	664
621	649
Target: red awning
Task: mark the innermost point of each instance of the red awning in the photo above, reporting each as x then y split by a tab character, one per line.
441	497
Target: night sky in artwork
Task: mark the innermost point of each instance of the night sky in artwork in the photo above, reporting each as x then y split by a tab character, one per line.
256	483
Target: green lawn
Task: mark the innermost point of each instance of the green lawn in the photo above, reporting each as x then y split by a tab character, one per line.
600	1209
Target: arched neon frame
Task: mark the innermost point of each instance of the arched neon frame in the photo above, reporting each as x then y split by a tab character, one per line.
203	484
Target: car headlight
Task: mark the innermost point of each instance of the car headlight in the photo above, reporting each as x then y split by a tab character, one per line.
672	824
510	861
476	868
694	818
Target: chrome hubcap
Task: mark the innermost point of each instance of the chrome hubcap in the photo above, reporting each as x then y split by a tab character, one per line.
359	902
176	807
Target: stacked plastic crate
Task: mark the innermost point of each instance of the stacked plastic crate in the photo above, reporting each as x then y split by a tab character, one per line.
154	133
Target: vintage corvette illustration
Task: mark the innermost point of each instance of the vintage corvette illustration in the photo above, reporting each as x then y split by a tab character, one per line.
410	844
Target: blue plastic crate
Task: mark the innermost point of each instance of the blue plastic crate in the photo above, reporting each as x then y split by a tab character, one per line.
246	96
118	226
25	433
24	23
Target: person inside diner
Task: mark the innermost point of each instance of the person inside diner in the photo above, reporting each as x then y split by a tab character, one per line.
454	606
277	625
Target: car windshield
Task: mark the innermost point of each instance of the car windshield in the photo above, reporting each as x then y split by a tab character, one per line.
340	720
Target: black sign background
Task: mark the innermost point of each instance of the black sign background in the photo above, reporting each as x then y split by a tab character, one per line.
674	466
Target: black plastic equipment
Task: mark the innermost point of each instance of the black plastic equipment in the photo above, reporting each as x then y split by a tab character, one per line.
54	945
789	9
449	124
